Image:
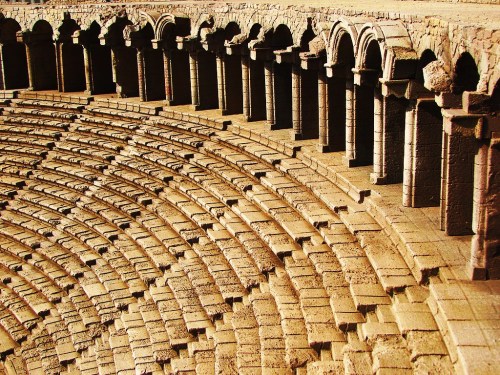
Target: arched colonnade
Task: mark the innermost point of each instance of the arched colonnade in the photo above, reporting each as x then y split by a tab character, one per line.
358	86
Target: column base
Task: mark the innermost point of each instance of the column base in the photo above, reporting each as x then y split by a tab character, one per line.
378	180
88	92
477	273
272	126
296	136
349	162
223	112
195	107
247	118
169	103
323	148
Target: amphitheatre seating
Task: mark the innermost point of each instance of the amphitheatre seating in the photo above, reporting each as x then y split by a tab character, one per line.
166	245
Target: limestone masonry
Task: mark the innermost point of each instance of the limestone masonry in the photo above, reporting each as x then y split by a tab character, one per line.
246	188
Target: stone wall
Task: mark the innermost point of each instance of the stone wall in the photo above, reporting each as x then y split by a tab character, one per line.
446	39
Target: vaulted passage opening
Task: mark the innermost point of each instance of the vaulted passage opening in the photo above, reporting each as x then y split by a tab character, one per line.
460	149
309	103
207	78
257	91
427	154
283	95
101	74
232	75
43	57
176	68
281	39
71	67
366	93
13	56
424	145
466	75
338	84
180	77
154	85
256	84
309	90
124	61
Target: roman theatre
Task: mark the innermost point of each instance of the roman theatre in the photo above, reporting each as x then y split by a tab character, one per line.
301	187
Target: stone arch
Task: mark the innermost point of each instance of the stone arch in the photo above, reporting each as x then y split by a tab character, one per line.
93	18
124	60
341	58
465	74
281	37
368	67
70	64
259	36
42	56
384	56
340	29
98	74
423	142
175	62
36	20
231	29
165	21
311	65
398	59
204	21
281	40
13	55
140	36
112	30
232	73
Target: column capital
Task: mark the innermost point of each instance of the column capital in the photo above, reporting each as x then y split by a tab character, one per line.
404	88
457	121
236	49
366	77
395	87
188	43
24	36
311	61
80	37
261	53
338	70
156	43
289	55
448	100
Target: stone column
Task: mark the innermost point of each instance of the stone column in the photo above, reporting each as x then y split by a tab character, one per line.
269	83
378	137
245	76
458	152
221	84
477	265
167	68
296	103
140	74
409	155
324	142
193	72
350	145
29	62
2	70
59	68
88	70
422	153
